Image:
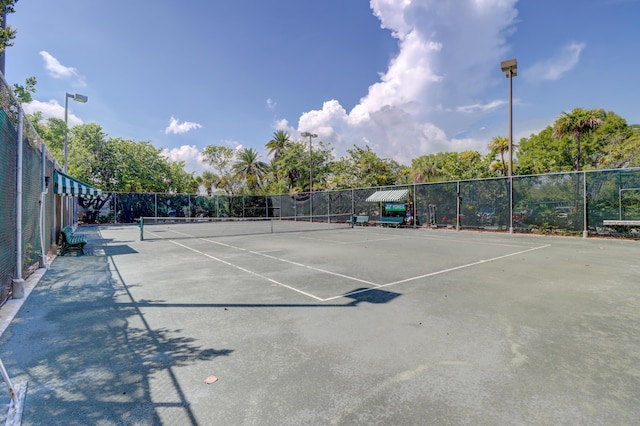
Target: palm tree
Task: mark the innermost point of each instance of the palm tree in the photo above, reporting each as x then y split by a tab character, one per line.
500	144
578	122
426	168
278	143
209	180
249	169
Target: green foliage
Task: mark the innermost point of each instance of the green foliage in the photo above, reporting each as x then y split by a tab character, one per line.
8	34
499	146
23	93
113	164
363	168
278	143
612	144
291	169
219	157
249	169
544	153
578	122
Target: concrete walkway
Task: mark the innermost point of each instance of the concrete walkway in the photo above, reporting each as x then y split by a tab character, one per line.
67	340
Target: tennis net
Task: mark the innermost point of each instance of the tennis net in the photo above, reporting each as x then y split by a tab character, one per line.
154	228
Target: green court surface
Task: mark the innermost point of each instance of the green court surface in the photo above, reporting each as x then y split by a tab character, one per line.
339	327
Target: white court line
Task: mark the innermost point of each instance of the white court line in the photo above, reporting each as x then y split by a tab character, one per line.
438	272
248	271
291	262
375	286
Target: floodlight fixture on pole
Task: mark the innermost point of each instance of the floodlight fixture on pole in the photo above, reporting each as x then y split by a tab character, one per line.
510	68
78	98
310	136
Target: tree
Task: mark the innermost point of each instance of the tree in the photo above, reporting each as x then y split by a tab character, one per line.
23	93
363	168
578	122
278	143
427	168
249	168
114	164
465	165
7	34
52	132
624	152
219	157
544	153
209	180
499	145
292	167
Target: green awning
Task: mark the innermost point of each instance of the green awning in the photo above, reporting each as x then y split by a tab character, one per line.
393	195
66	185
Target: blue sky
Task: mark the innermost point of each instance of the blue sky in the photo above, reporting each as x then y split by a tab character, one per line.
406	77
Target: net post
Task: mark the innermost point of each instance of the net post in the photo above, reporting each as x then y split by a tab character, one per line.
141	228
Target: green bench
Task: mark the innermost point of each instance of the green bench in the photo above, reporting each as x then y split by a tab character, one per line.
362	220
72	241
390	220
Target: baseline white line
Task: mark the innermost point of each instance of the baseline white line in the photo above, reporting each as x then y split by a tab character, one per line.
302	265
247	271
437	272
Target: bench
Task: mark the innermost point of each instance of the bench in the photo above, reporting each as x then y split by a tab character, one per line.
72	241
390	220
362	220
619	225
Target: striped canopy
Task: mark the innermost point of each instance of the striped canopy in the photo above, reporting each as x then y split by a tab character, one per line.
393	195
66	185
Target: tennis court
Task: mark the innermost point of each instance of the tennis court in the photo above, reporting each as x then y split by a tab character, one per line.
346	326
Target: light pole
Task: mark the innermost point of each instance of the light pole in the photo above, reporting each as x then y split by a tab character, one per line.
78	98
510	68
310	136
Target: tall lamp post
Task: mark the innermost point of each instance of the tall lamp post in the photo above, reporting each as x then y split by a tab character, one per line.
510	68
310	136
78	98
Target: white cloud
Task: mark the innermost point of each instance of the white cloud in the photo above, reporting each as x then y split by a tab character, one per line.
555	67
176	127
271	104
481	107
189	154
51	109
433	88
59	71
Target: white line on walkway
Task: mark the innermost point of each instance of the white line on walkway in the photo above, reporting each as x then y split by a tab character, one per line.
247	270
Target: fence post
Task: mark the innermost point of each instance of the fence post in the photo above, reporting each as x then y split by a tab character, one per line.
414	212
42	260
585	227
18	282
458	199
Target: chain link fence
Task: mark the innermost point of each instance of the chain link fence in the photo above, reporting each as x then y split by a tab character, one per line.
561	203
564	203
27	229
